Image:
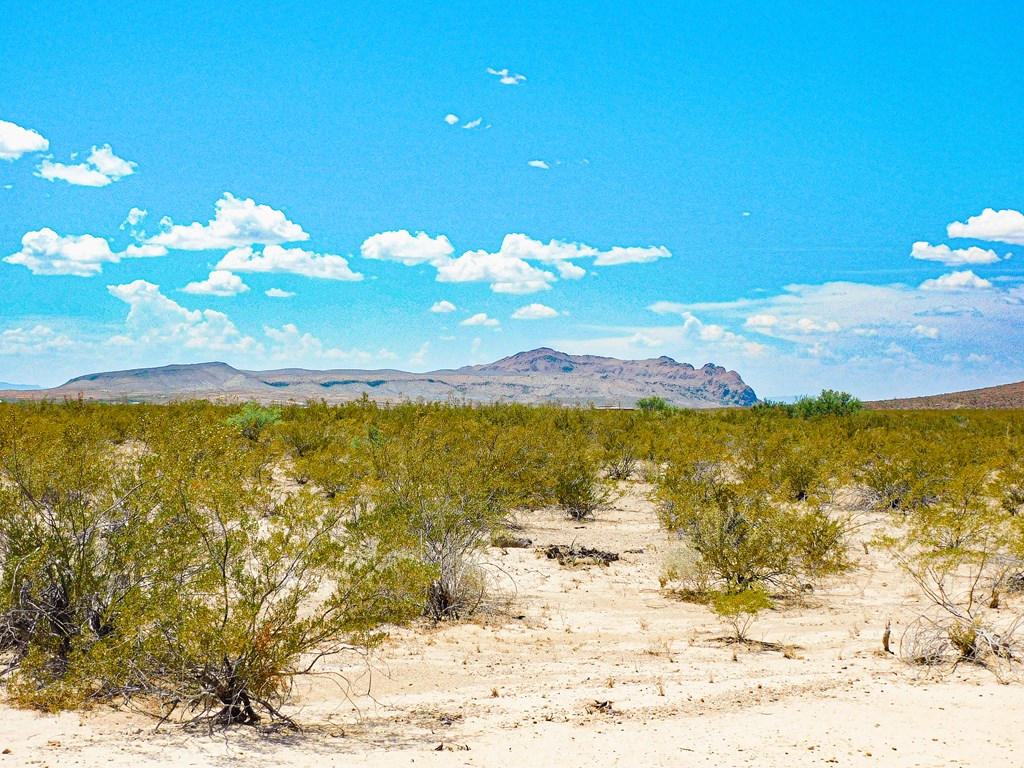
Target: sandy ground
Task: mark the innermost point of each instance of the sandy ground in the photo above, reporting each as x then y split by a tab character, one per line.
597	666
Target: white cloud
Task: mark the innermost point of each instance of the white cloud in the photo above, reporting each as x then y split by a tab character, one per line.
631	256
953	258
539	164
1001	226
277	293
101	168
925	331
508	270
155	320
506	274
33	341
473	124
293	346
16	141
451	119
405	248
534	312
443	306
219	283
294	261
481	318
237	223
956	281
505	77
47	253
135	215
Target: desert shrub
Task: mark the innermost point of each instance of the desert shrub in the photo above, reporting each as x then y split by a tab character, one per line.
739	608
443	489
253	419
168	573
957	550
744	536
655	404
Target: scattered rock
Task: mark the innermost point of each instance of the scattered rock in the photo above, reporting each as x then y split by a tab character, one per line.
570	554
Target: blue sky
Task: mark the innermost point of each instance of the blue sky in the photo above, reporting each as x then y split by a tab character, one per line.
813	196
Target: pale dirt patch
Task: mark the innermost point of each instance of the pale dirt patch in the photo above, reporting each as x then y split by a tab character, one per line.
596	666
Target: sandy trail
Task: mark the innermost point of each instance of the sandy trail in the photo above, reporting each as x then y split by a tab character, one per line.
597	666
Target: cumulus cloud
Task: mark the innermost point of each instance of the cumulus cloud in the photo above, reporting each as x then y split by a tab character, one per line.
277	293
46	253
236	223
505	77
956	281
154	319
101	168
451	119
407	249
953	257
925	331
506	274
219	283
293	261
16	141
534	312
508	270
539	164
999	226
443	307
481	318
36	340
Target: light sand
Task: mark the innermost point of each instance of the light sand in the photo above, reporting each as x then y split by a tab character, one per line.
526	691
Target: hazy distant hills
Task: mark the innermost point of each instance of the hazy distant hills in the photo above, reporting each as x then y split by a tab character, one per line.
540	375
1003	396
8	385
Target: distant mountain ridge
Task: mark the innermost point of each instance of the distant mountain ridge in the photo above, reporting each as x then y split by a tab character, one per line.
20	387
1001	396
535	376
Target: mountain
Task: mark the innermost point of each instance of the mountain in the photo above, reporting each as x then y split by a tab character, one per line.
7	385
537	376
1002	396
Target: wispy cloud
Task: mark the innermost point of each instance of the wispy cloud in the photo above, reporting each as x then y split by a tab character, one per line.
539	164
505	77
37	340
443	307
473	123
155	320
278	293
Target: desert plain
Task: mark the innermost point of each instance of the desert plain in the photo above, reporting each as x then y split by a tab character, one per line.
591	665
